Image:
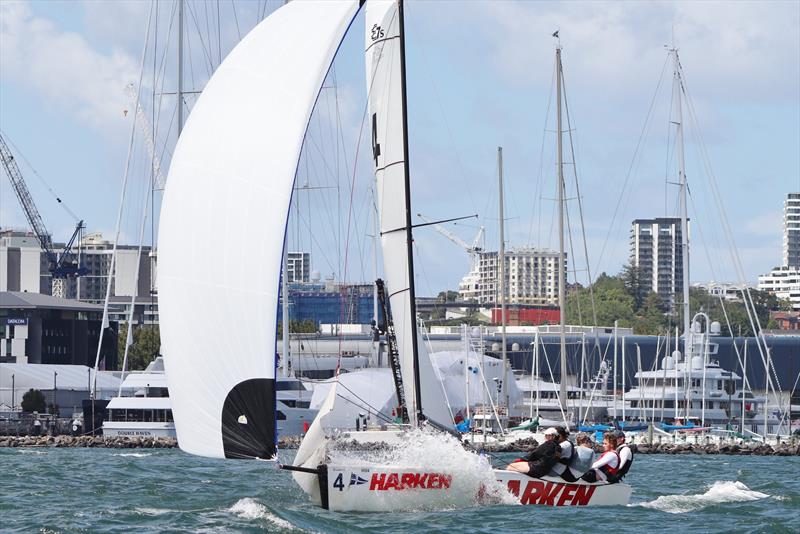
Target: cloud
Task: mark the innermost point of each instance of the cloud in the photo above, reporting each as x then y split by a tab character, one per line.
63	68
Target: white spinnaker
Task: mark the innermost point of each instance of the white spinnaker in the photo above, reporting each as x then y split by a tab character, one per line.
229	189
384	87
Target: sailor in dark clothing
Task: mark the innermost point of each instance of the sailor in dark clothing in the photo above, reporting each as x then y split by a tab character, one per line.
542	459
567	451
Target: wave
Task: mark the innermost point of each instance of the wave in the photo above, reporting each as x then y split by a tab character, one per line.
721	491
248	508
152	511
29	451
133	454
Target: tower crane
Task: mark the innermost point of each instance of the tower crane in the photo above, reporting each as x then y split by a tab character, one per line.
62	266
474	250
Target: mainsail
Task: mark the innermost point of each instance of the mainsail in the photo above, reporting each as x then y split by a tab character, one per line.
229	188
385	90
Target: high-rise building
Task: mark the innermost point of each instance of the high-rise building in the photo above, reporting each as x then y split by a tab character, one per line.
298	267
791	230
530	278
784	281
656	250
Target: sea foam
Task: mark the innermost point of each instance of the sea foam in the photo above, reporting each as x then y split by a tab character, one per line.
721	491
248	508
473	480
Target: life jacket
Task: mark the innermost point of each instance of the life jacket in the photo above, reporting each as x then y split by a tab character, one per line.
623	470
611	472
566	459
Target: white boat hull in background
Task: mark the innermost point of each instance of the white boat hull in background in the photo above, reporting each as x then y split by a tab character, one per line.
115	429
555	492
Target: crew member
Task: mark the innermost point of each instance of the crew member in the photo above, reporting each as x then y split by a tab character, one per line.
625	456
567	452
582	458
606	466
542	459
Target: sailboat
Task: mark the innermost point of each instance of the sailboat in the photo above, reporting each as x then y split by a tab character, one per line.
230	183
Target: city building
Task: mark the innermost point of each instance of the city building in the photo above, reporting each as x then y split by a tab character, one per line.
531	277
655	246
784	283
24	267
724	290
42	329
791	230
330	303
298	267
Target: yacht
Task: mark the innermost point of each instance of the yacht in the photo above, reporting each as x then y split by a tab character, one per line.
695	392
142	408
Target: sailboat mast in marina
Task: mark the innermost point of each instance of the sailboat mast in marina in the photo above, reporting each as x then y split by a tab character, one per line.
562	306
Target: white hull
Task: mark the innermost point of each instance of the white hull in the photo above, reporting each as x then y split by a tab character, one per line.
138	430
389	488
550	491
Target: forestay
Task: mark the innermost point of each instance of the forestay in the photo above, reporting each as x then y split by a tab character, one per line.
229	188
384	87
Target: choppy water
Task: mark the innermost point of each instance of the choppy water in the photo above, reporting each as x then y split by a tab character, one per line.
102	490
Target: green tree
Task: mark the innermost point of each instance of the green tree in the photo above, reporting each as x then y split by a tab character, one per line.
33	401
145	348
611	299
634	279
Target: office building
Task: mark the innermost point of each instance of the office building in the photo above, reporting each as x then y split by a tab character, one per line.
791	230
655	248
531	277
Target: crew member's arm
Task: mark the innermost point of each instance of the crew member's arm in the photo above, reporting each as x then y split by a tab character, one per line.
605	459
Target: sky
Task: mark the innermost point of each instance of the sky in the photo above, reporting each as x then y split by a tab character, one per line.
480	75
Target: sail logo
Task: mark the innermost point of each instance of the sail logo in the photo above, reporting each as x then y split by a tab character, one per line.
407	481
552	493
356	480
377	32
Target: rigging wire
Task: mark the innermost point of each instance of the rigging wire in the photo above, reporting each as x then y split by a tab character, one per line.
629	174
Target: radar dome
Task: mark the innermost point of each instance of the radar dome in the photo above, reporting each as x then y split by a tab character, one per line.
315	276
697	363
495	347
476	331
676	354
716	328
515	346
667	363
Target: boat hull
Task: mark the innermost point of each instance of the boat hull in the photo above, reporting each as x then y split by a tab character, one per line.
385	488
129	429
555	492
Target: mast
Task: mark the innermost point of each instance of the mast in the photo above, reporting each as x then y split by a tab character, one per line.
502	270
180	67
285	308
412	306
560	274
376	341
677	94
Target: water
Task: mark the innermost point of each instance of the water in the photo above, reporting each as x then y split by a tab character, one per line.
106	490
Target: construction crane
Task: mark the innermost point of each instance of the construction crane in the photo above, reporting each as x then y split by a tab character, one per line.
62	266
474	250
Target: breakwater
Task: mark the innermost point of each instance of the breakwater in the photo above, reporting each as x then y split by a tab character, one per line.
107	442
790	447
88	441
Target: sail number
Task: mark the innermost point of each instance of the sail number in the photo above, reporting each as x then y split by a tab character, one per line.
339	482
377	32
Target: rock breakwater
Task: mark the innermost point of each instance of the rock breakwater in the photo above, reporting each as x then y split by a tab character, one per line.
88	441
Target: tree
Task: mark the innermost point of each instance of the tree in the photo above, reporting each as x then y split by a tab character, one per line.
634	279
33	401
145	348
